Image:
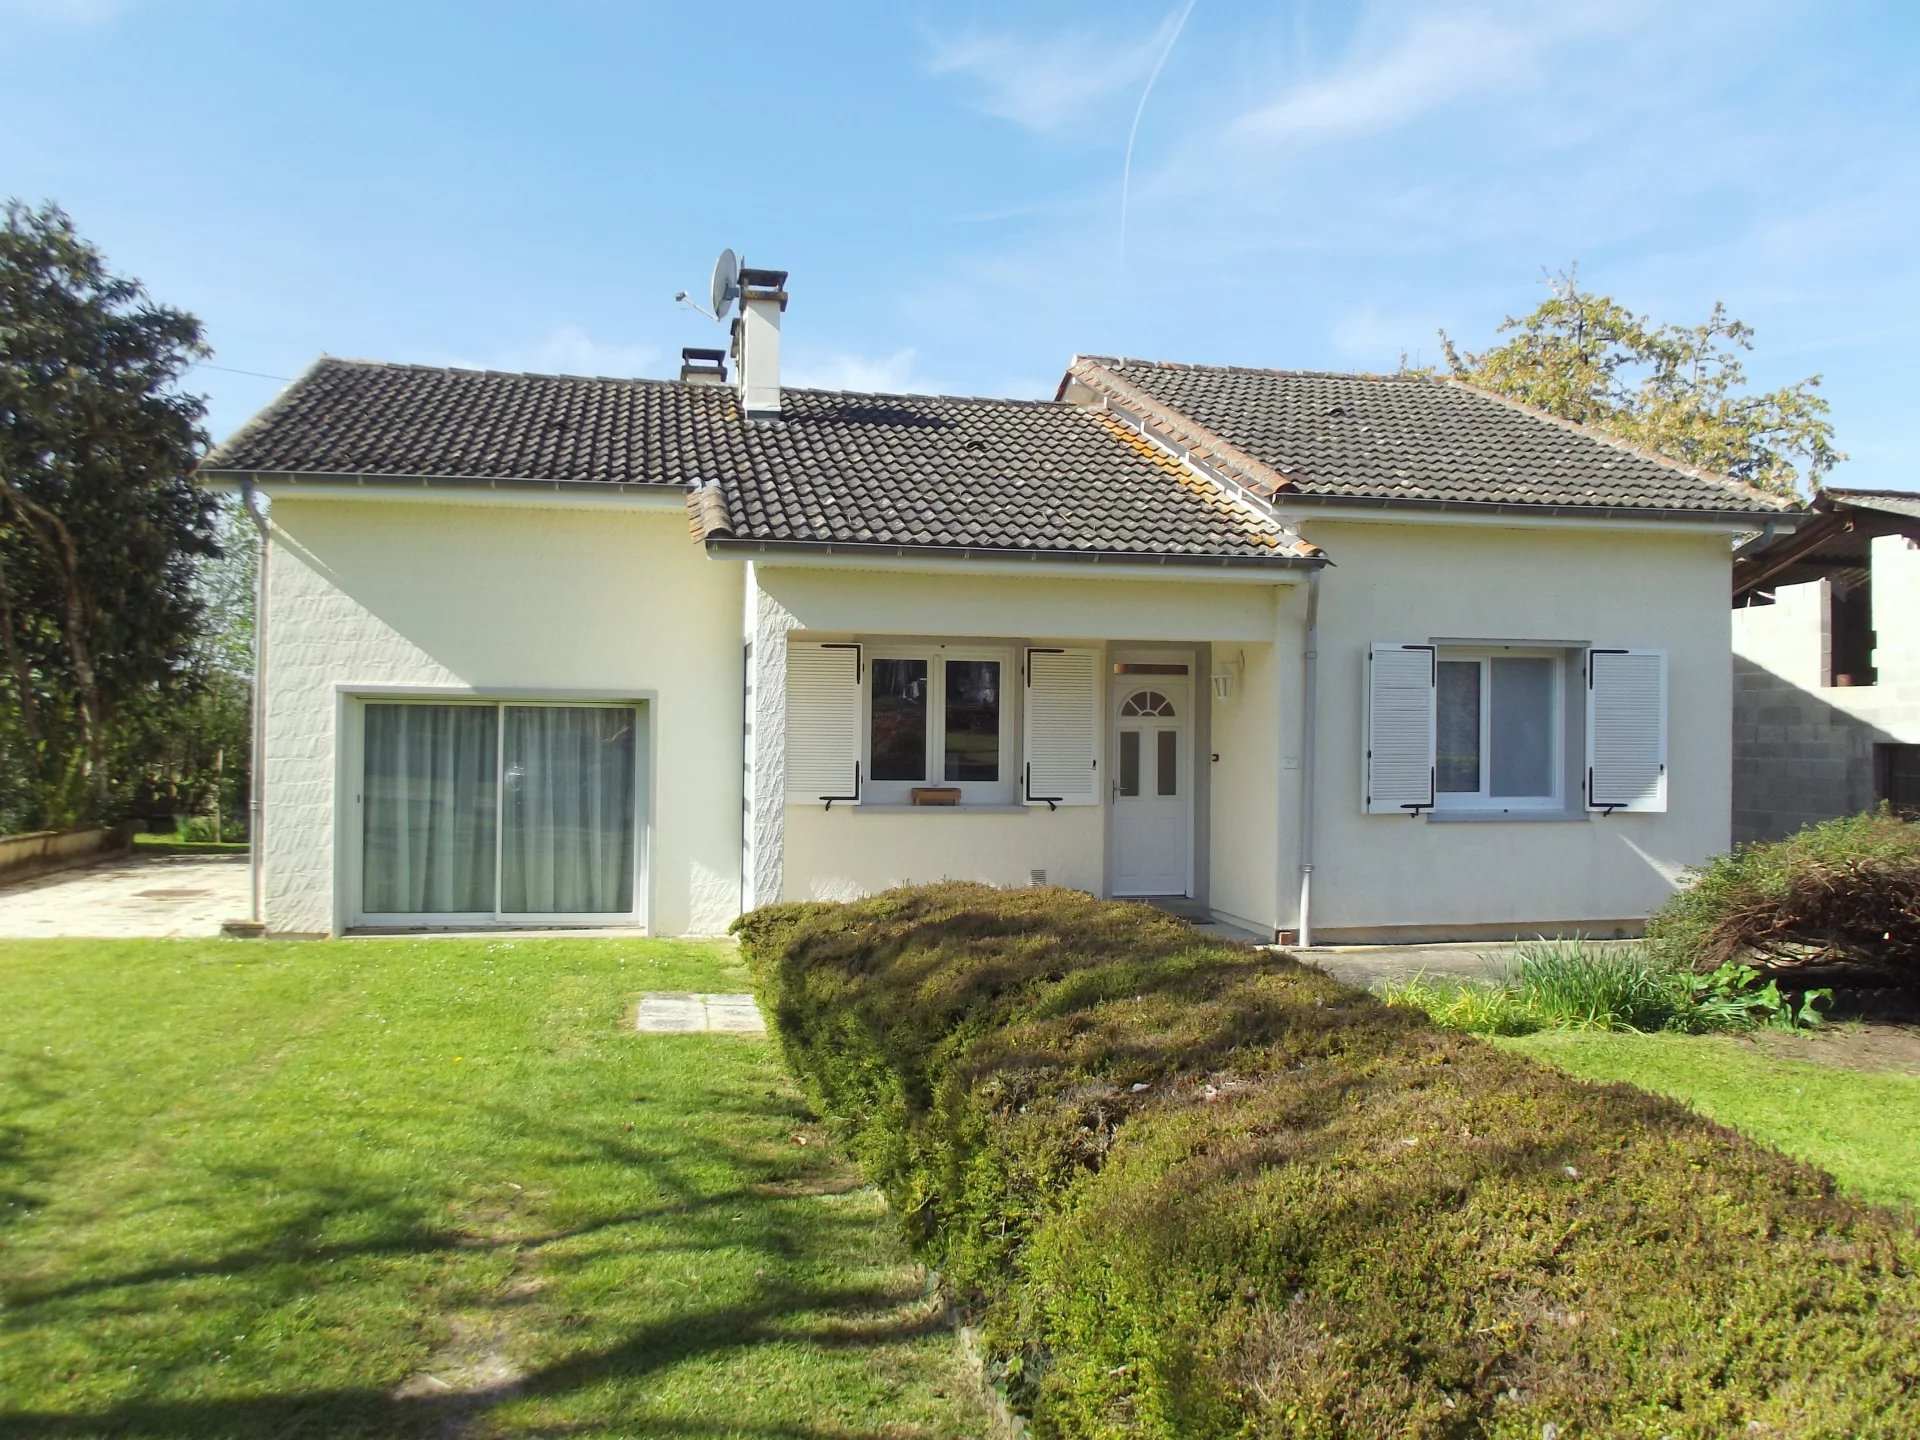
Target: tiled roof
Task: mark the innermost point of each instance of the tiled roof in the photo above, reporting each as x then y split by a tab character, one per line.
1401	438
1891	502
892	470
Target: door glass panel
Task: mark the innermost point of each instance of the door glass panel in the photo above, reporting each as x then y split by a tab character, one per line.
1458	700
973	720
428	810
899	739
1129	762
1169	761
1520	723
567	846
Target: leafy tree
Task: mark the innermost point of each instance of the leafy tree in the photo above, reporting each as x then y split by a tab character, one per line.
100	523
204	754
1678	389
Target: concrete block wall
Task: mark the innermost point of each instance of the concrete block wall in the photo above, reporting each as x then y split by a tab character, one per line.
1804	751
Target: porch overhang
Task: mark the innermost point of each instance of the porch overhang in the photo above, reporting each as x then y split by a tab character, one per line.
1277	569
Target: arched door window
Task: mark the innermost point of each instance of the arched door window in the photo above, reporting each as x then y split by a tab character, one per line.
1146	702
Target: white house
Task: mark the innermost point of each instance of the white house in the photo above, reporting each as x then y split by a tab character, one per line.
1338	656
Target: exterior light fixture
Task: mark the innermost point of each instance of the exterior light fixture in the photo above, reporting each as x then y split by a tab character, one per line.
1226	677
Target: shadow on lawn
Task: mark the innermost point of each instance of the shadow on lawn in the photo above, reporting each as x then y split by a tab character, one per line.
28	1154
685	1213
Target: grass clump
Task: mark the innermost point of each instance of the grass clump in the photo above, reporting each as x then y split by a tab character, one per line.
1841	893
1581	985
1191	1189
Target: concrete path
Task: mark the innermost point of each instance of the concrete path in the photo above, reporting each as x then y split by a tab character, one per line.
140	897
1371	965
678	1012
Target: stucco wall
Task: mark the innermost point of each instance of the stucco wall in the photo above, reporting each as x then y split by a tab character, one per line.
851	850
1418	877
848	851
1803	750
493	599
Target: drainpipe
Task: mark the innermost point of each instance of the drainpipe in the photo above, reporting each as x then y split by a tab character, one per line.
256	775
1309	700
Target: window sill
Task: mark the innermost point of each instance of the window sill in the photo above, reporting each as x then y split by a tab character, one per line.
904	809
1493	816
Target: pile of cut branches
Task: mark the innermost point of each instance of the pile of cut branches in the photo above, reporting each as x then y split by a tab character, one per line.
1843	893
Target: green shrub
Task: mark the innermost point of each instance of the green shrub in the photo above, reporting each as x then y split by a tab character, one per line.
1191	1189
1843	892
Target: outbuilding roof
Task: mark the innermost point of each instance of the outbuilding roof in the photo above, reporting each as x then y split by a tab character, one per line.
845	469
1409	439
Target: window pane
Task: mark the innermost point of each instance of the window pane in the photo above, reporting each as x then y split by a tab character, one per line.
1129	762
899	738
1459	726
973	720
1522	728
428	805
1169	759
567	821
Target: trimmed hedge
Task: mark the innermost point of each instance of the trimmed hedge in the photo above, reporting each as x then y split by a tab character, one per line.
1191	1189
1843	892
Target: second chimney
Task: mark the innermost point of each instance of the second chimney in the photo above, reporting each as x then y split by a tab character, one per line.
703	367
756	341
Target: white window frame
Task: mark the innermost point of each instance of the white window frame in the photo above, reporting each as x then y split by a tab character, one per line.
1484	799
1005	790
495	918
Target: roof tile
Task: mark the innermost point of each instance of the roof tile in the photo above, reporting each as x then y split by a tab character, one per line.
873	469
1403	438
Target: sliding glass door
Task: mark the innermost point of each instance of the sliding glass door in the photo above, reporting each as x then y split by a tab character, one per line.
476	811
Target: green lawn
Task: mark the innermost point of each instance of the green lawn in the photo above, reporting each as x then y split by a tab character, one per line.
429	1187
1862	1127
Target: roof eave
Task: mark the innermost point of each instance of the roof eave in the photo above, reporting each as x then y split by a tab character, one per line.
960	554
416	486
1740	519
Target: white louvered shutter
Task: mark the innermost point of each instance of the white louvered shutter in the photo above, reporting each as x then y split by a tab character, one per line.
1626	730
1062	728
1399	772
823	724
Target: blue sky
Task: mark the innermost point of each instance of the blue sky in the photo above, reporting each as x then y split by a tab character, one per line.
1313	184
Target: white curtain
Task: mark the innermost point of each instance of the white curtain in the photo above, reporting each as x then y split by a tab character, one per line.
568	845
429	803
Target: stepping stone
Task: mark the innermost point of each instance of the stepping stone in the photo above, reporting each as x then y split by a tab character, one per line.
678	1012
736	1014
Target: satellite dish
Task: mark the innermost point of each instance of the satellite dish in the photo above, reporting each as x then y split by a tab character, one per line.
726	283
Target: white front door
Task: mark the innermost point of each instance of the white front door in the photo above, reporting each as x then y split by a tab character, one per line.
1152	785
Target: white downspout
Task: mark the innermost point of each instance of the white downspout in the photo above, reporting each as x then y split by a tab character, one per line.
256	776
1309	702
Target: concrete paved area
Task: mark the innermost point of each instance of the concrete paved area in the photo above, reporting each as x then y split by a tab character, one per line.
140	897
1371	965
678	1012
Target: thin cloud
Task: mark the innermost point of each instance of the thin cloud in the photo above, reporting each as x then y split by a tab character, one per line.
895	374
570	350
1435	61
1048	84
